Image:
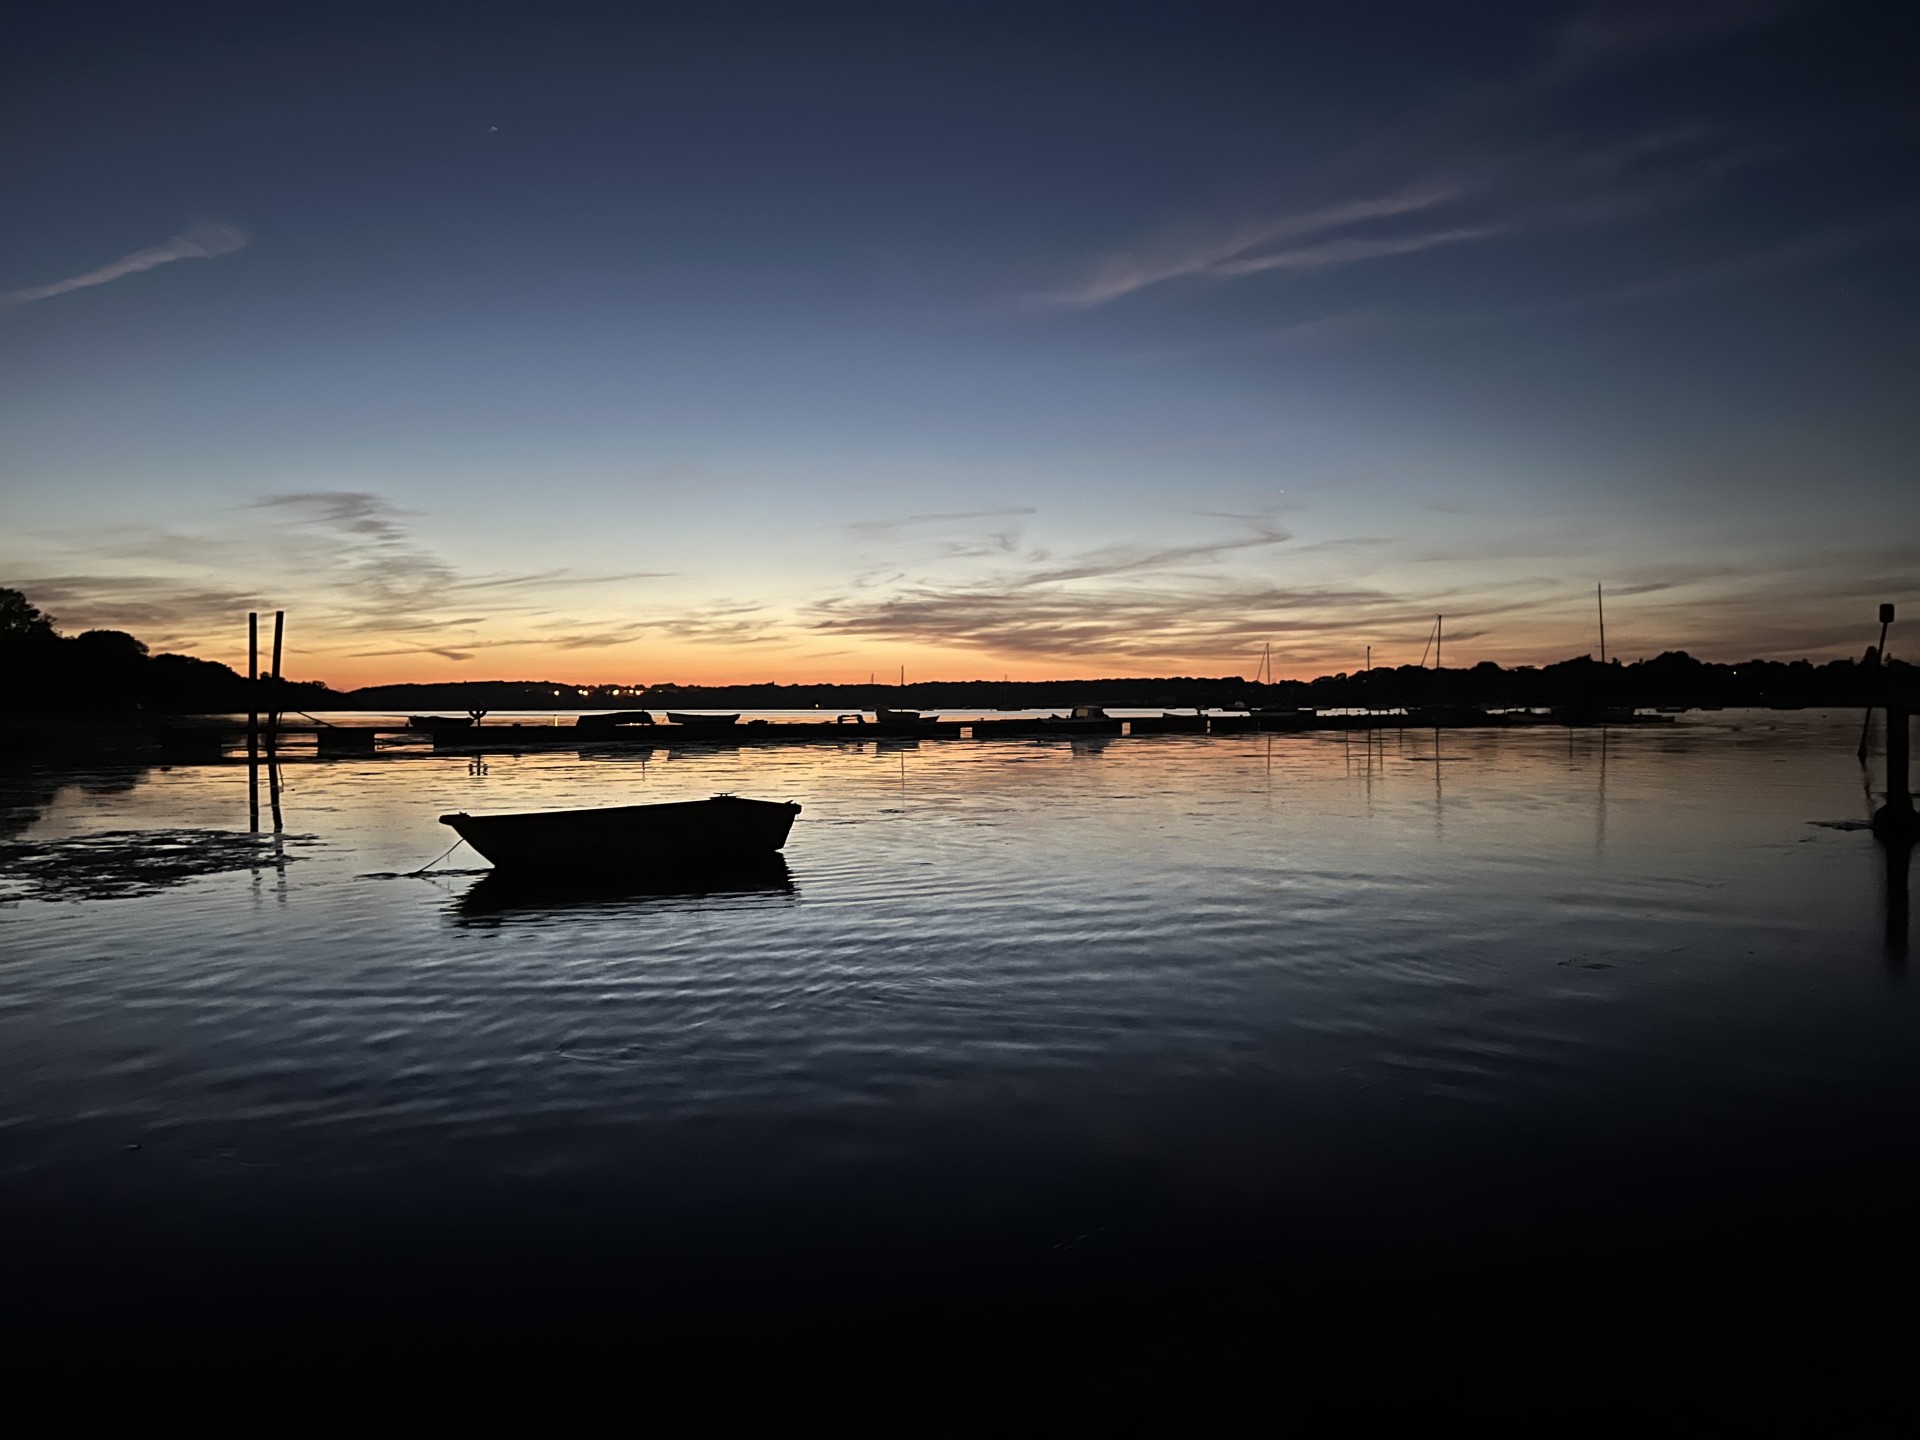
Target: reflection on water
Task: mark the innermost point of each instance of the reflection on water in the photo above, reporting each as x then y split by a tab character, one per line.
494	896
27	794
1895	896
1230	1036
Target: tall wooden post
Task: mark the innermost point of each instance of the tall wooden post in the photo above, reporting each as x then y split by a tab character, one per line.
273	725
253	681
1894	822
273	701
253	718
1879	663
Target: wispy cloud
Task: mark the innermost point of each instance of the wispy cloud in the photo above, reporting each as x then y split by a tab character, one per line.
1121	603
1242	249
1173	623
381	578
885	529
1111	560
349	562
1478	194
202	242
1551	184
1348	251
1536	194
1520	594
165	610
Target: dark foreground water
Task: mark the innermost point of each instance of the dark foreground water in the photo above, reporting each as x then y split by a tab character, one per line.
1533	1071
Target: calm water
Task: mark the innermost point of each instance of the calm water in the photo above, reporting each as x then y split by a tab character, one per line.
1124	1053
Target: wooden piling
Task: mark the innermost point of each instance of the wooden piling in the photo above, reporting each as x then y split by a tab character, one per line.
253	683
253	719
273	700
1894	821
1879	665
273	725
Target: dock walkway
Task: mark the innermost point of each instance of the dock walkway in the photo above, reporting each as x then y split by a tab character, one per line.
210	736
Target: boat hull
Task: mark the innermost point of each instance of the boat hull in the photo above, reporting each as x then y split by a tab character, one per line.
500	893
629	839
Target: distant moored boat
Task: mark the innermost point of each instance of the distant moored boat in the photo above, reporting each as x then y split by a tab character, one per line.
614	720
1085	719
629	839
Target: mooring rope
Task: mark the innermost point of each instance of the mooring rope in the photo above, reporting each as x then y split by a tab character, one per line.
437	859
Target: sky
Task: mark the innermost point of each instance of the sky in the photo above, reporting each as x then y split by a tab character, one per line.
728	343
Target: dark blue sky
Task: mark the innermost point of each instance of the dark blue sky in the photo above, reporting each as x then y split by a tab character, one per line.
739	342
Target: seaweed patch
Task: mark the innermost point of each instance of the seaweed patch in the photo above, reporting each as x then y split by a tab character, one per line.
117	864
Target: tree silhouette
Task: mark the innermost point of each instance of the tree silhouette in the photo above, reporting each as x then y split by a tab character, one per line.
21	619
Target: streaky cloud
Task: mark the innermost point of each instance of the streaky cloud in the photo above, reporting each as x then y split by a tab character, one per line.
879	529
202	242
1143	559
1219	253
348	560
1352	250
1555	184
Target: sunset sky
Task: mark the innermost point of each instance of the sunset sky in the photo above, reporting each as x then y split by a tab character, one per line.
737	343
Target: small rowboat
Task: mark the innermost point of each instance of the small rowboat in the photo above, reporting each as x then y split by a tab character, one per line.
629	839
1085	720
678	718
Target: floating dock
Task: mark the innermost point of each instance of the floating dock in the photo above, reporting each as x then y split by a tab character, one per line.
208	738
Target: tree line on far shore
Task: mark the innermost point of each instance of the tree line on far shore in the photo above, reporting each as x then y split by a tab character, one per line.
110	671
1674	678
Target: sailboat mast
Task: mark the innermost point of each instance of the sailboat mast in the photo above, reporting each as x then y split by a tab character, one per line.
1600	602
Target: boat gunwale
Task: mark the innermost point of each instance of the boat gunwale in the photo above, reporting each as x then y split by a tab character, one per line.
613	810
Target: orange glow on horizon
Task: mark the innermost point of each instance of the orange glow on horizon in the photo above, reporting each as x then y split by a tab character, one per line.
725	667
